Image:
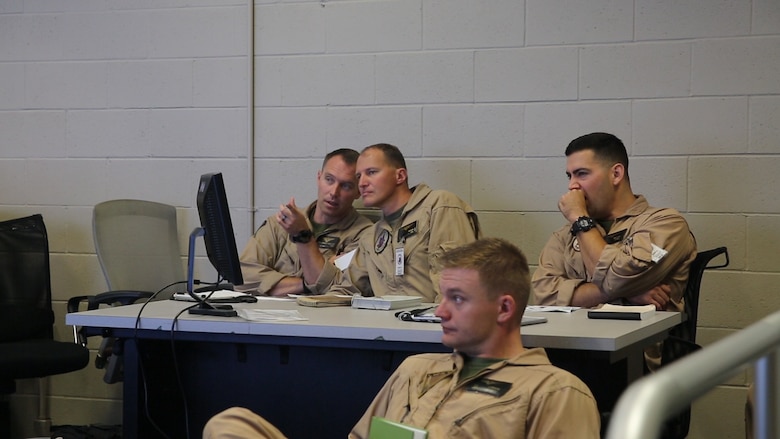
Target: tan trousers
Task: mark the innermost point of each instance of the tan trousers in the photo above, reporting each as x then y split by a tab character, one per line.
240	423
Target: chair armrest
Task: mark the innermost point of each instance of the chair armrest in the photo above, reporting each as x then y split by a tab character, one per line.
75	302
121	297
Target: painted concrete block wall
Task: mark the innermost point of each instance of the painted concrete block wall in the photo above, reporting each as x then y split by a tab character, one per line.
115	99
121	99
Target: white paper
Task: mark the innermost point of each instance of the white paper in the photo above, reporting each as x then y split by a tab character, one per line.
275	298
270	315
550	308
608	307
343	261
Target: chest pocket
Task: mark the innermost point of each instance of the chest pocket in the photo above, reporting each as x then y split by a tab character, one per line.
488	414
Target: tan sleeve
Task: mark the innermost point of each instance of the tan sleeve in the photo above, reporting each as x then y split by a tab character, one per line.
629	268
552	284
355	279
567	412
259	258
330	275
450	227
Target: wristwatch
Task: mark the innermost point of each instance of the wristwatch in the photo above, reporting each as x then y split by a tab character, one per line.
583	224
302	237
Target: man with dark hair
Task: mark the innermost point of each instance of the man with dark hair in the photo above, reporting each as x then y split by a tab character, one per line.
490	386
291	252
397	255
614	246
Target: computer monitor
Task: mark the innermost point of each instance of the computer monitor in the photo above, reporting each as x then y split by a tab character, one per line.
216	228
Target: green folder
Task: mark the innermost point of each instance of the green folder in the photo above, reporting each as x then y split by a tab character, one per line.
382	428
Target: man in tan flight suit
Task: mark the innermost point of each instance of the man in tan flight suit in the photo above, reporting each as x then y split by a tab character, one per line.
292	250
397	255
490	386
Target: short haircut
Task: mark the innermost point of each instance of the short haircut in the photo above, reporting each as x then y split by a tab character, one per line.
607	148
392	154
502	267
349	156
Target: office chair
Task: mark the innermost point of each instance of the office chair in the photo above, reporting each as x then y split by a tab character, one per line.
137	246
682	338
27	345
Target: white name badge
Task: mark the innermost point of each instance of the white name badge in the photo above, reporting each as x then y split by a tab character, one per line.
399	261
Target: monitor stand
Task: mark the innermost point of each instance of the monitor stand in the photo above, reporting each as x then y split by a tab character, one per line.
204	307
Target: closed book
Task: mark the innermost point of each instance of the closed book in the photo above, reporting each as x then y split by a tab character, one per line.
324	300
622	312
385	302
382	428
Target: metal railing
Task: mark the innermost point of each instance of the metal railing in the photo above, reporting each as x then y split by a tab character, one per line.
647	403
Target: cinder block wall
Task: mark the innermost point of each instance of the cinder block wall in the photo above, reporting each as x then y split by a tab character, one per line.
135	99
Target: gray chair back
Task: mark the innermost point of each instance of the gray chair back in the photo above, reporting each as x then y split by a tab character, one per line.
137	244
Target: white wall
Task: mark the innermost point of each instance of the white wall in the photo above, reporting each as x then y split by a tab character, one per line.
104	99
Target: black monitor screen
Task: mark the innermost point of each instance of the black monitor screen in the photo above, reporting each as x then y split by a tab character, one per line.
218	228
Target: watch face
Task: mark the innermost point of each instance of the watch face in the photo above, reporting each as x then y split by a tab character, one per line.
583	224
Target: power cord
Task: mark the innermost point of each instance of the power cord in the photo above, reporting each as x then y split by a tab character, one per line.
179	380
147	412
177	372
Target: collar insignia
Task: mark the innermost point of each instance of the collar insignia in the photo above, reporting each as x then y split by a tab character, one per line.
328	242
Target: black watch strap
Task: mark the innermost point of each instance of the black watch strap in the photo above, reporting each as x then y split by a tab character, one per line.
302	237
583	224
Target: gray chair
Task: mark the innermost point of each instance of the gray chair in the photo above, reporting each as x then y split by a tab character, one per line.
137	244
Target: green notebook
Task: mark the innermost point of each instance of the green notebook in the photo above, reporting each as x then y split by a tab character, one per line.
382	428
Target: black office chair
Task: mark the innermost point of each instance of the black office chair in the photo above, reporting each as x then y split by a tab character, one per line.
27	345
682	338
136	242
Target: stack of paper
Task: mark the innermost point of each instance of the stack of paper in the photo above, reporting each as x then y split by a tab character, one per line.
270	315
385	302
622	312
551	308
324	300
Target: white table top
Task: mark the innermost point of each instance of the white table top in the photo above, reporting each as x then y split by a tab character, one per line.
563	330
